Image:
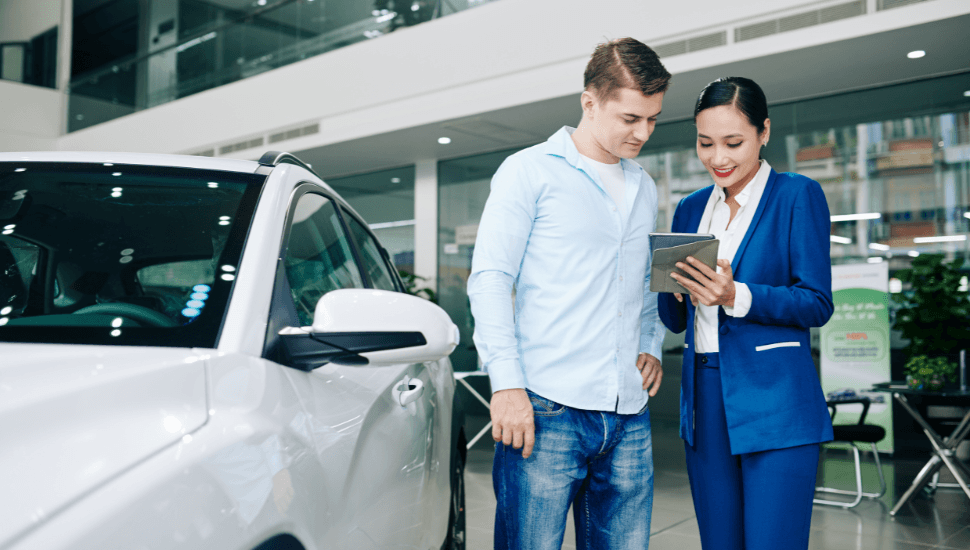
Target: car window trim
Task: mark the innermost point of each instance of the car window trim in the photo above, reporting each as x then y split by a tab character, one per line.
395	277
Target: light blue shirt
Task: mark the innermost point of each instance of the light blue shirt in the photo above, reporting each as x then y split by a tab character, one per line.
579	266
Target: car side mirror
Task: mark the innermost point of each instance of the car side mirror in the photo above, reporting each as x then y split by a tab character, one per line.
369	327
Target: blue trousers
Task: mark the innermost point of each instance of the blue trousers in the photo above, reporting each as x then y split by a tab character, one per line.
751	501
599	462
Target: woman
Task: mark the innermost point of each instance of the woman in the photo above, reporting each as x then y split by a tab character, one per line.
752	409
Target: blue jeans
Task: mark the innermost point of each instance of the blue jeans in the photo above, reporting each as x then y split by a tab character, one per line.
600	462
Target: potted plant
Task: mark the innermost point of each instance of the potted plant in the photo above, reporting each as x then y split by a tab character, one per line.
934	317
923	372
411	286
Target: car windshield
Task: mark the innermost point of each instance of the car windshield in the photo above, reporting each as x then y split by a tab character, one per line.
119	254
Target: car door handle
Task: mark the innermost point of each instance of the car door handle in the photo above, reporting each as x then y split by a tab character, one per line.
414	390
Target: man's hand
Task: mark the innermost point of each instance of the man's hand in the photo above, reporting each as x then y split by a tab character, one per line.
649	367
513	420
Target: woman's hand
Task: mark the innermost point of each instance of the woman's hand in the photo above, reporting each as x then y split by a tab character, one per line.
709	287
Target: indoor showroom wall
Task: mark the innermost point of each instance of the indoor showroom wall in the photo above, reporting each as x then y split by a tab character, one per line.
30	116
505	53
23	19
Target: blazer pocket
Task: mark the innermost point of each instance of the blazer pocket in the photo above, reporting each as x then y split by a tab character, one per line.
778	345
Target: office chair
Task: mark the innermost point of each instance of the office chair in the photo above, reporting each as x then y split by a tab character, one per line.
852	434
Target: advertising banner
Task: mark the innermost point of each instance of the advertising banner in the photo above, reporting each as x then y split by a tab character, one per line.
855	344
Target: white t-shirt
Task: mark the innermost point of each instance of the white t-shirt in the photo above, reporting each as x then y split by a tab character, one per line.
614	181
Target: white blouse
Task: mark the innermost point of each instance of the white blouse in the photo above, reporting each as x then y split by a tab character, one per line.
715	221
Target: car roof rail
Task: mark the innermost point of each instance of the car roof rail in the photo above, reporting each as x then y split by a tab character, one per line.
275	158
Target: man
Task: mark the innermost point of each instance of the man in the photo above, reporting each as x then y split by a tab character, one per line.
571	367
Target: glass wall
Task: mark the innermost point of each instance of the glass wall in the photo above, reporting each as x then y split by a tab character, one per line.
894	164
463	186
385	199
129	55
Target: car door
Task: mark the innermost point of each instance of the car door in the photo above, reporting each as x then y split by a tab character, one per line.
372	448
424	466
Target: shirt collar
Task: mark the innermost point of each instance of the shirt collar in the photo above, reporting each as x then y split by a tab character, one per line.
742	198
561	144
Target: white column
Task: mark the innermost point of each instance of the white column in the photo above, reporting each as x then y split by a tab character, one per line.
65	45
862	188
426	222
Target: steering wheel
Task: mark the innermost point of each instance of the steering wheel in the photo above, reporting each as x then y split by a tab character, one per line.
131	311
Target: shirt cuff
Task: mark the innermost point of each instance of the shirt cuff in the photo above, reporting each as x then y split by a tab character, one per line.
505	375
742	301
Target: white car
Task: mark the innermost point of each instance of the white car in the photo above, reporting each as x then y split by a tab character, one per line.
218	354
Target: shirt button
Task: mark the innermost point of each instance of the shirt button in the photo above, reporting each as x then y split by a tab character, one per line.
621	277
619	314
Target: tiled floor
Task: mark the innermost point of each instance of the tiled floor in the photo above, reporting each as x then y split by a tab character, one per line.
940	521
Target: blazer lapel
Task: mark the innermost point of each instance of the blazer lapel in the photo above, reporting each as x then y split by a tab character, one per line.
765	197
698	216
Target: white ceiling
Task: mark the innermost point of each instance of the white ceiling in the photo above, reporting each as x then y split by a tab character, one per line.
855	64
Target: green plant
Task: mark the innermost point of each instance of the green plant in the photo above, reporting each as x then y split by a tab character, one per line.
935	316
923	368
411	286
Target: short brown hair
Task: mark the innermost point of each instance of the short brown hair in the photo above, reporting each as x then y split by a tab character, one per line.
625	63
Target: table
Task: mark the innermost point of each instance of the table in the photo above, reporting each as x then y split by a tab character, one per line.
944	448
460	377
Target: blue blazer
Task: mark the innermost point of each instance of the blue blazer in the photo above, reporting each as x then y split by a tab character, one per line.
772	395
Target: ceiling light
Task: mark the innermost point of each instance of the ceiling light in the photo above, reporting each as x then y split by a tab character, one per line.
444	140
395	180
227	277
840	240
6	311
213	185
943	239
916	54
875	260
108	164
913	254
20	170
966	215
966	93
877	246
116	333
4	321
854	217
11	226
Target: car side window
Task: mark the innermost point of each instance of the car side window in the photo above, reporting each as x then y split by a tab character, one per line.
318	255
373	262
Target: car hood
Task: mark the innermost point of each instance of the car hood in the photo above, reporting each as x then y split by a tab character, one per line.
74	417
